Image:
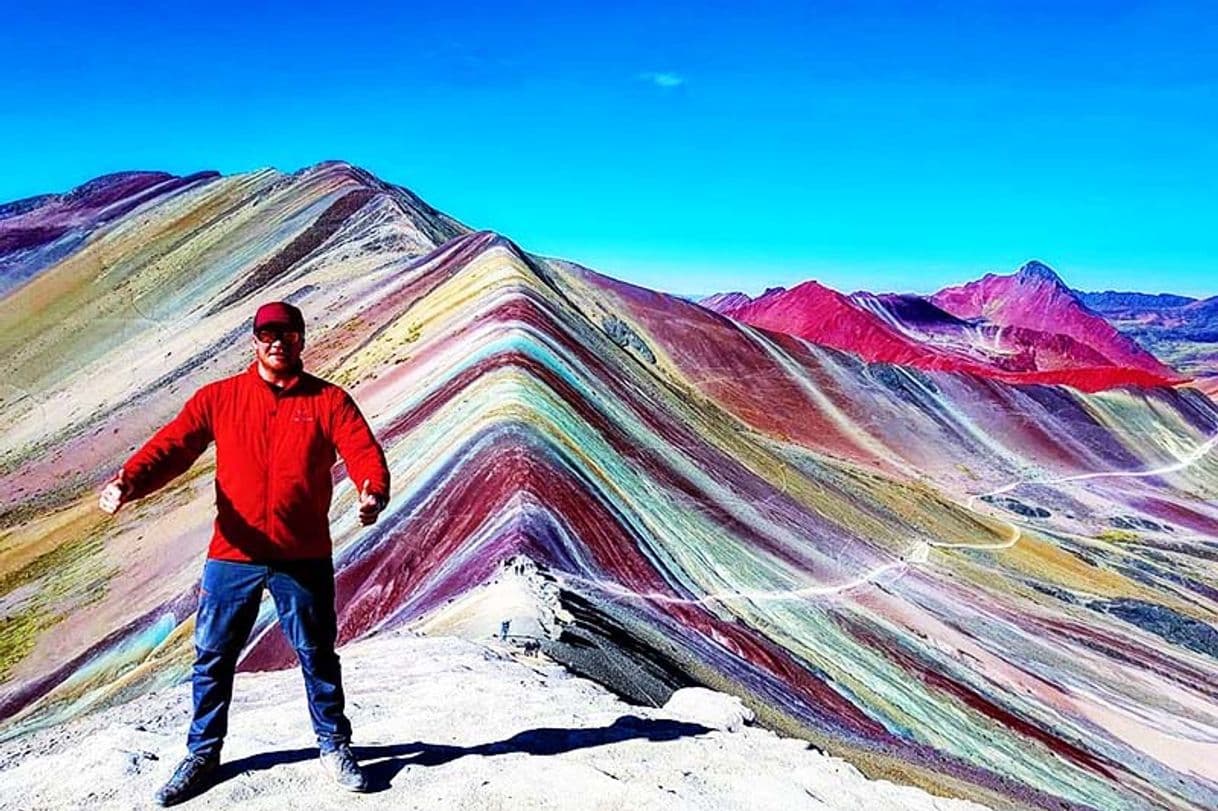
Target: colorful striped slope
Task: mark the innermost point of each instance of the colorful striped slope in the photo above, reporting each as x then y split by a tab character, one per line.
1000	592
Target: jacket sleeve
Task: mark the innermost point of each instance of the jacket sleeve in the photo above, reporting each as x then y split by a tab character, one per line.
361	453
173	449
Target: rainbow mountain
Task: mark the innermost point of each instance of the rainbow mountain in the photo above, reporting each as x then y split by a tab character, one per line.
995	590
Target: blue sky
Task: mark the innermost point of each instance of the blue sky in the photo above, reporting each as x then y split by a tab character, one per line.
692	147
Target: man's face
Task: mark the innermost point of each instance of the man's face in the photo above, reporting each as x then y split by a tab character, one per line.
278	347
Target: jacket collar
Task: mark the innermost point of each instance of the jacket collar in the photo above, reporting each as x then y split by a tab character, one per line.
252	371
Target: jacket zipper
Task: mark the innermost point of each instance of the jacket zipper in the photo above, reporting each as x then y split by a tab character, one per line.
270	447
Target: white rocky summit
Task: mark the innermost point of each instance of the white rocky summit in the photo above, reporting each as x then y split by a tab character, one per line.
447	723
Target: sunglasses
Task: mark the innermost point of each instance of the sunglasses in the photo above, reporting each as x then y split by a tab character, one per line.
269	336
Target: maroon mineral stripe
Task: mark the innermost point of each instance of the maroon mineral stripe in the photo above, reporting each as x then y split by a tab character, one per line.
1175	513
16	239
932	677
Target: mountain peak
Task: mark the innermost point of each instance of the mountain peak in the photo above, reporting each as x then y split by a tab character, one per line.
343	168
1037	270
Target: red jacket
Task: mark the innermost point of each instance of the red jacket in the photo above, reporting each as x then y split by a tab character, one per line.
274	453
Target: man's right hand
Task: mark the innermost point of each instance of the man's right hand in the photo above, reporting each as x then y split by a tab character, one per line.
115	494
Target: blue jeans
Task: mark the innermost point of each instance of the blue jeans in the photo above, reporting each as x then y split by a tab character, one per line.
229	596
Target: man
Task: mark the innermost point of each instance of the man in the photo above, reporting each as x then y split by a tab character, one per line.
276	429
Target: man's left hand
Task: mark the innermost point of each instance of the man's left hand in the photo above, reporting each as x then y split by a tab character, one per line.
370	505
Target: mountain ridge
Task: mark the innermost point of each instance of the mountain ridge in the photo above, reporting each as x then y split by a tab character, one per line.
716	503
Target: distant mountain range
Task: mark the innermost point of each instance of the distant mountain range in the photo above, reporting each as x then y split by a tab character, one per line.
1111	300
1181	331
1025	327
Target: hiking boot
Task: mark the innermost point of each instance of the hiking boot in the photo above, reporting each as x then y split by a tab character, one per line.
191	776
341	766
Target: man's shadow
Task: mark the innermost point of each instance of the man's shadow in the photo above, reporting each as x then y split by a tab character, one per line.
540	741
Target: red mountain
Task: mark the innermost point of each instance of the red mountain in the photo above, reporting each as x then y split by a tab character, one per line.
1023	328
1036	298
826	317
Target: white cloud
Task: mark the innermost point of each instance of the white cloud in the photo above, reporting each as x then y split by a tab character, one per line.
662	79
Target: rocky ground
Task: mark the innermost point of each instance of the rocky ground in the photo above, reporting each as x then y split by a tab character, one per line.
444	722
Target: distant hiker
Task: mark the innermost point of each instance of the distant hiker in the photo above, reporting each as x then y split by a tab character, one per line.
276	429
